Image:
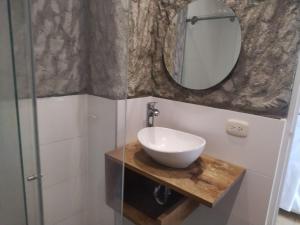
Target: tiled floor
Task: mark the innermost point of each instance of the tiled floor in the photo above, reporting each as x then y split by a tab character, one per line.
285	218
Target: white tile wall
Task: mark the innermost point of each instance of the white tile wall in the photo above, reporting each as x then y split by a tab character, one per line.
77	219
75	132
71	125
63	160
102	130
64	200
251	204
62	118
63	150
258	153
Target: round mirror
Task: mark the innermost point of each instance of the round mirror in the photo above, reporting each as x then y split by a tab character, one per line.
202	44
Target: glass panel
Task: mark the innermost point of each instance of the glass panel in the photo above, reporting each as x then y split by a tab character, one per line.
20	202
12	204
77	130
107	115
105	176
21	36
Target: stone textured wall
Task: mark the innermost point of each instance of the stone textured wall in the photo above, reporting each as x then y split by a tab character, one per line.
262	80
108	21
141	47
21	44
60	46
80	47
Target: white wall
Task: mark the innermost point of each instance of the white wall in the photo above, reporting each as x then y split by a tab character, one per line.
258	153
75	132
71	125
101	138
63	149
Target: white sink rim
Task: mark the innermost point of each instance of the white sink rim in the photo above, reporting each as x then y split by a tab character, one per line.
142	140
171	147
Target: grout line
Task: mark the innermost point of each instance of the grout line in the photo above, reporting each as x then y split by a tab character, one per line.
82	211
63	140
46	187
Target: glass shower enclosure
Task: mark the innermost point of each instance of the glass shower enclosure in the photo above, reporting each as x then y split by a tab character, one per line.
20	195
21	184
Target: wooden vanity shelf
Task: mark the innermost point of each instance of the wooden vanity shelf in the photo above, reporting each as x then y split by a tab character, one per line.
205	182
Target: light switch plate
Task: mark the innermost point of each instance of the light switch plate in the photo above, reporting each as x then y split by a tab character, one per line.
237	128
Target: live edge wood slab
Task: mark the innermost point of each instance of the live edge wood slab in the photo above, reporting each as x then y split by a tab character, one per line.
207	180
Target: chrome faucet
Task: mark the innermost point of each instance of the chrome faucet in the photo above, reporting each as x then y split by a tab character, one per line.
152	112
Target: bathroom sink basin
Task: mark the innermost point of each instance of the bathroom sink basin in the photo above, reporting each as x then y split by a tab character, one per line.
171	147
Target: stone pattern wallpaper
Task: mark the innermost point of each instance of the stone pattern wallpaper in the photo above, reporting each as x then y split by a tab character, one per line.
262	80
107	38
81	47
21	44
60	46
141	47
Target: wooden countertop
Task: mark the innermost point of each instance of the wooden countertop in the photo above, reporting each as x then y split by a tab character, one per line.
207	180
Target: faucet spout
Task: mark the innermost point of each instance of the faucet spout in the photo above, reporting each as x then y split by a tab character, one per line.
152	112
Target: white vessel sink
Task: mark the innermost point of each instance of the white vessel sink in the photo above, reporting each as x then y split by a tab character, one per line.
171	147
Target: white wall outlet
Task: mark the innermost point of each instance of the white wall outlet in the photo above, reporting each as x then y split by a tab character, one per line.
237	128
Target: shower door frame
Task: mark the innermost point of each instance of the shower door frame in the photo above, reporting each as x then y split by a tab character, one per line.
33	207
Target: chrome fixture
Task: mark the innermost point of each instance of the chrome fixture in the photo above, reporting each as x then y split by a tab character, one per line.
161	194
195	19
34	177
152	112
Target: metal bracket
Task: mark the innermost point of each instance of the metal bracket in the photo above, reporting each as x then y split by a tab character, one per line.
34	177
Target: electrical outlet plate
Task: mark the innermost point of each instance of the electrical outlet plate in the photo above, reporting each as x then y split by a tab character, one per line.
237	128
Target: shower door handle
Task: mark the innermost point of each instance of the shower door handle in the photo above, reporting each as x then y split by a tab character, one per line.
34	177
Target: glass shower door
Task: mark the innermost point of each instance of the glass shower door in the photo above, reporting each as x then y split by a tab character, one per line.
12	192
20	201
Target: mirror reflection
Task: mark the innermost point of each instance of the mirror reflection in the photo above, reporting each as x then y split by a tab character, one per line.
202	44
